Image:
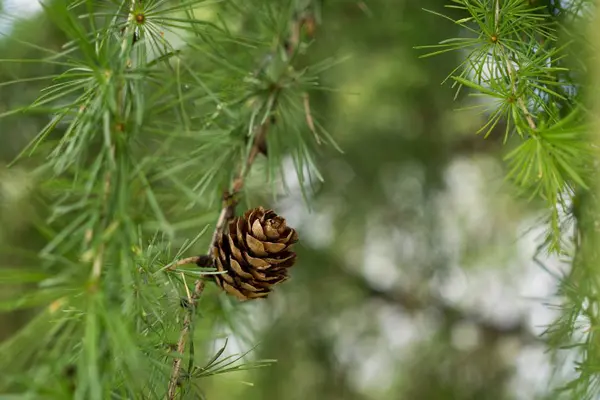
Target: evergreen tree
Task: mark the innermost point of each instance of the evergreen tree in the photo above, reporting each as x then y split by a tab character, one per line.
149	120
137	131
528	63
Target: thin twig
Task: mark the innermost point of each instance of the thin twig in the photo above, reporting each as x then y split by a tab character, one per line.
227	213
99	257
183	261
187	322
309	119
228	210
512	73
411	304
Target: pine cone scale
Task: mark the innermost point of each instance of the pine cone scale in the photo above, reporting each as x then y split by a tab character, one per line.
257	231
238	269
256	246
249	287
258	263
237	229
291	237
237	254
255	254
274	248
231	290
223	277
285	261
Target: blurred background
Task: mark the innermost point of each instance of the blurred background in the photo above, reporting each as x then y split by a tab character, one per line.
416	276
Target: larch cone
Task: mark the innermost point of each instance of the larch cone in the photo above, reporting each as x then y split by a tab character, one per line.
255	254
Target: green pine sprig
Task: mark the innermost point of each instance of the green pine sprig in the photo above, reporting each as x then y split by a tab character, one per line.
148	117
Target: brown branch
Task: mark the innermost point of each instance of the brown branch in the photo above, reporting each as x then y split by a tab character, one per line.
228	210
183	261
185	330
226	215
309	119
411	304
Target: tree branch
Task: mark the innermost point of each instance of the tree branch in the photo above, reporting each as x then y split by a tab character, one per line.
229	203
513	75
411	304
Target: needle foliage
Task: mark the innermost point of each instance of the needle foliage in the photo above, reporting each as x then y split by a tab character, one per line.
147	116
527	68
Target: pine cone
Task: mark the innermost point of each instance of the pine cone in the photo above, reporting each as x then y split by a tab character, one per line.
255	254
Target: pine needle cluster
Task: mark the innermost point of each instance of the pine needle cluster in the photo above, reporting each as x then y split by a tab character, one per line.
527	65
156	110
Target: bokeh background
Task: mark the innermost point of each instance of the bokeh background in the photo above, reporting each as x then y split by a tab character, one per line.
416	276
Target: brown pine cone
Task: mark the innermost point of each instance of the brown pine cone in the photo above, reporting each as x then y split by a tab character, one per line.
255	254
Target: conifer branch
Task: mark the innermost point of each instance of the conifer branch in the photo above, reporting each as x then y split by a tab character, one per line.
187	322
520	101
411	304
530	80
125	50
511	71
229	197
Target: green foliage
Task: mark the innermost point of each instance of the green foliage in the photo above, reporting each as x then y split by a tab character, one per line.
522	66
148	118
515	65
172	102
